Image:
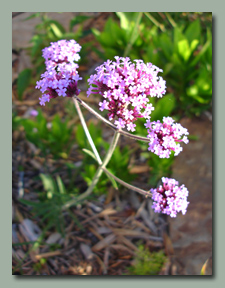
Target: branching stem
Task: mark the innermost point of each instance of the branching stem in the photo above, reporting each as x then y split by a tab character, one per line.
87	131
141	191
96	114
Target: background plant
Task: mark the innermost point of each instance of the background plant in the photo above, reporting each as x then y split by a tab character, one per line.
54	137
183	48
48	209
146	262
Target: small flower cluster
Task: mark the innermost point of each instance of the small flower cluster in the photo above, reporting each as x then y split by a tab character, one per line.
169	198
61	76
33	113
60	52
164	137
125	87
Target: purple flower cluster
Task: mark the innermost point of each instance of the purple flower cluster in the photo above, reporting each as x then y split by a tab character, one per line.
33	113
61	76
164	137
169	198
61	51
125	87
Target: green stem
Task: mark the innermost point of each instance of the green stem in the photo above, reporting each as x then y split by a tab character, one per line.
134	35
129	135
87	131
151	18
141	191
172	22
98	172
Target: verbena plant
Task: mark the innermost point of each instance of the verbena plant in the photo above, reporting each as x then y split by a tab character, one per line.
125	88
118	163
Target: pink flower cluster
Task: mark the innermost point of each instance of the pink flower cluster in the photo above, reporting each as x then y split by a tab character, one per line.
125	88
164	137
169	198
61	76
61	51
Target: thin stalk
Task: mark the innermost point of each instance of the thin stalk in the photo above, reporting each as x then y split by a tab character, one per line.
134	35
87	132
141	191
98	172
96	114
151	18
172	22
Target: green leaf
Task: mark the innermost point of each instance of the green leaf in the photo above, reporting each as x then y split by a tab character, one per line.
164	107
90	153
48	183
201	53
194	45
23	81
193	31
96	32
16	121
112	180
160	167
184	50
134	33
37	41
62	189
56	31
193	92
178	35
77	20
124	20
35	15
166	45
80	136
56	129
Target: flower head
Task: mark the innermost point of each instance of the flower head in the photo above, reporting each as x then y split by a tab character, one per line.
62	51
61	76
169	198
165	137
126	87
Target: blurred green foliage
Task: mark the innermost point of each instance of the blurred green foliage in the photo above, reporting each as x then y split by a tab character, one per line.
16	121
54	138
146	262
51	201
181	47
